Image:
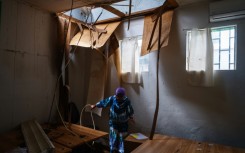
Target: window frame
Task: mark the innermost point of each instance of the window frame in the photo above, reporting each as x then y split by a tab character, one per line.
229	49
140	57
188	33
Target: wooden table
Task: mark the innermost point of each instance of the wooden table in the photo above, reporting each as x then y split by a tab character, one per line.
64	140
166	144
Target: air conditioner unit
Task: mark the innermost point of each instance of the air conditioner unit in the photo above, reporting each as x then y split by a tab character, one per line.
226	10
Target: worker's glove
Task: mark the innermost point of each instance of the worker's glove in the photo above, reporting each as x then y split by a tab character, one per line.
92	107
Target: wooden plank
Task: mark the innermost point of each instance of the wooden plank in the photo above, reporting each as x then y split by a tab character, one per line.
61	149
69	140
83	135
133	15
113	10
65	138
88	131
148	26
11	140
160	137
129	13
170	5
36	139
216	148
170	145
157	73
65	5
86	39
139	13
147	147
165	144
54	134
91	27
173	3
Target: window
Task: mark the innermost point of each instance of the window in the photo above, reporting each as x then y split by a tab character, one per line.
143	60
224	47
132	64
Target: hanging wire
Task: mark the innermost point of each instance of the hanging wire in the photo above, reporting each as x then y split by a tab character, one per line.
88	105
54	97
57	81
98	17
86	21
65	32
66	65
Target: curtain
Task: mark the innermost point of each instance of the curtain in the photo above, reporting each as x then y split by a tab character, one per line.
200	57
130	54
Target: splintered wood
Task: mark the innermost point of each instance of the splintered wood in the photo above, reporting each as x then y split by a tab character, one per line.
92	38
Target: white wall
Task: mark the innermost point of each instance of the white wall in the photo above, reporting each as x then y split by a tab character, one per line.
28	68
214	114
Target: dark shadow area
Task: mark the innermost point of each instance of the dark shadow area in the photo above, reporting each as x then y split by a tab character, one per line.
102	146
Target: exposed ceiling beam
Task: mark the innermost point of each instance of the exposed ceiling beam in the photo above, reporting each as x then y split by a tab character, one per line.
169	4
113	10
57	6
172	4
133	15
129	14
83	3
81	22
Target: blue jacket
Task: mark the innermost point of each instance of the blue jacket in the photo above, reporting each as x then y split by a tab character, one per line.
120	112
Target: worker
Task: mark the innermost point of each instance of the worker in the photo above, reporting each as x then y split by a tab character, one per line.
121	111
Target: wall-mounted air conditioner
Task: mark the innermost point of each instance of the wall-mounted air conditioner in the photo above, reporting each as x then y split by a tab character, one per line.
226	10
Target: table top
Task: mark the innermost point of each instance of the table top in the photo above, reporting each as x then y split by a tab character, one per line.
63	140
74	135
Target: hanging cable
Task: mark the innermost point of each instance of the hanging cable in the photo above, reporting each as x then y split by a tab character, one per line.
57	81
88	105
65	32
98	17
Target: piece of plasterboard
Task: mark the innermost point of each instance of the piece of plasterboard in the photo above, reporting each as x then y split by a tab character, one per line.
148	26
90	38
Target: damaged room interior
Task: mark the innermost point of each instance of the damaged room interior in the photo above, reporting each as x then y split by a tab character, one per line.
122	76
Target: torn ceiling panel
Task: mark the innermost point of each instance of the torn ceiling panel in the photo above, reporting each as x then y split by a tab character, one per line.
123	6
94	39
57	6
148	29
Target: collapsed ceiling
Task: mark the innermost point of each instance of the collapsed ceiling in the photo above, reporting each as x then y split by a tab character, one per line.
56	6
94	10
